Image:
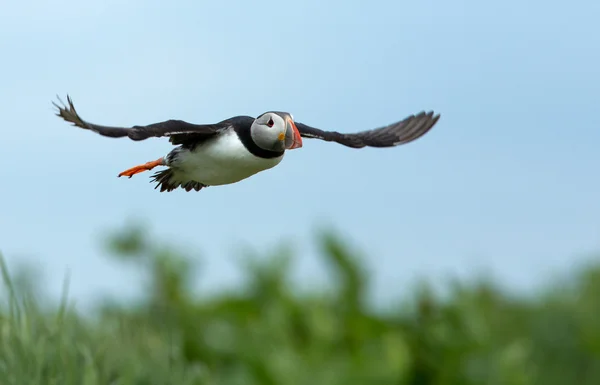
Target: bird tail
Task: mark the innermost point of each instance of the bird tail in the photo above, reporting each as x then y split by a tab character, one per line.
166	181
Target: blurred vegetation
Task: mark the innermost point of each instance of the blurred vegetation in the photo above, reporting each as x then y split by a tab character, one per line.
268	333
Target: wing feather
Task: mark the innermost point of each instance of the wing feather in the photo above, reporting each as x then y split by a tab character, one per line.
404	131
178	130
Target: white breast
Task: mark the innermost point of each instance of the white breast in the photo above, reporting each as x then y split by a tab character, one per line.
221	161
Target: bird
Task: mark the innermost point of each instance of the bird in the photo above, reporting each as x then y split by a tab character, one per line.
239	147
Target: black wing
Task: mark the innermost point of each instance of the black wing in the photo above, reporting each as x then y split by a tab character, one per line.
404	131
178	130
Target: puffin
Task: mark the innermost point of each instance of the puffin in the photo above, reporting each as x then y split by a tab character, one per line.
239	147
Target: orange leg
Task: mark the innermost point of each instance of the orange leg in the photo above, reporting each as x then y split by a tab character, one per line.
141	168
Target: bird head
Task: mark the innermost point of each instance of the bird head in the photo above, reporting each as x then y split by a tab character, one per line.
276	131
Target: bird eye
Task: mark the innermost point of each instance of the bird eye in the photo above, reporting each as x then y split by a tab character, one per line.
270	122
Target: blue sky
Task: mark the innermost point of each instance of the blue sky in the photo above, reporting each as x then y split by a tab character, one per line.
507	182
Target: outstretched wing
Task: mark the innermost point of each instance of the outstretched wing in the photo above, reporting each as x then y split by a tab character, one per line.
178	130
404	131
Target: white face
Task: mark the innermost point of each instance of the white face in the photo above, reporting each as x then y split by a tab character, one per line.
274	132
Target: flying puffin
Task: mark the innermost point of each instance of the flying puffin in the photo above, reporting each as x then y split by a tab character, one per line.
239	147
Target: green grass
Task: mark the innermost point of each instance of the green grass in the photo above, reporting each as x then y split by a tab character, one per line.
269	333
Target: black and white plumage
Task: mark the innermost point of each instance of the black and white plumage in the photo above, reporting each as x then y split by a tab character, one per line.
239	147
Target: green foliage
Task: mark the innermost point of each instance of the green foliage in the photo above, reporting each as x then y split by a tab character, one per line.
268	333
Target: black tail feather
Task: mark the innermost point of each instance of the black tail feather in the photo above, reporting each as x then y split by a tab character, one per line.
166	182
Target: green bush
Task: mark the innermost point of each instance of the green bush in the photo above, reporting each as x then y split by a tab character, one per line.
268	333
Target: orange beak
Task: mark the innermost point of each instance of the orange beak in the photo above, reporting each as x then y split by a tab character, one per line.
292	135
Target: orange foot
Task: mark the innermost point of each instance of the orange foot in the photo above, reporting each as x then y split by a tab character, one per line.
141	168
